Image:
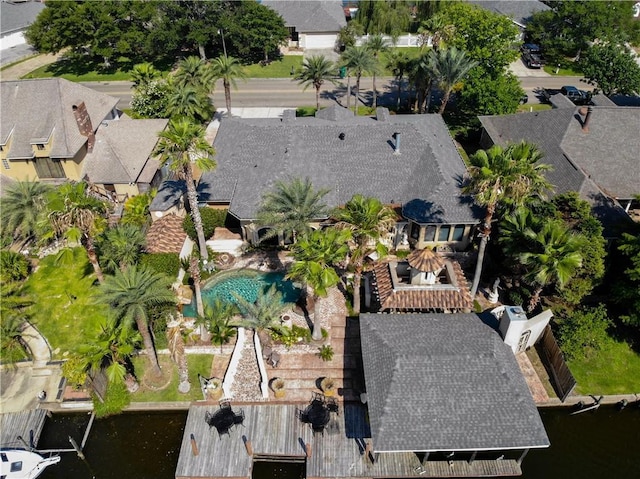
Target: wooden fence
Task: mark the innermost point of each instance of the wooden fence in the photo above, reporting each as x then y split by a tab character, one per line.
562	380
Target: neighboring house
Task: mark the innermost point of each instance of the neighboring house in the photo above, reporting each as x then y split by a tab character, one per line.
47	127
593	151
15	17
55	130
312	24
407	161
120	164
446	387
519	11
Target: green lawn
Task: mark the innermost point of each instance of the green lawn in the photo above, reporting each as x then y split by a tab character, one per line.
551	70
276	69
65	308
614	369
198	364
74	72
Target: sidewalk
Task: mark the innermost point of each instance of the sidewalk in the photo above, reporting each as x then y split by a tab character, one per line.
17	71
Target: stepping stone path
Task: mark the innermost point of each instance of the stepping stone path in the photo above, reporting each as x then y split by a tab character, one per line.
246	384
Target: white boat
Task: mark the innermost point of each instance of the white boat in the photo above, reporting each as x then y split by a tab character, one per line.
23	464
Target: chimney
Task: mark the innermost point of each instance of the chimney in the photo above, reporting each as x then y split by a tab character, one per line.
585	123
84	123
396	136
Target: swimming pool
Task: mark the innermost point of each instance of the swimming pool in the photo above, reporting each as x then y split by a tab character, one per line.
247	283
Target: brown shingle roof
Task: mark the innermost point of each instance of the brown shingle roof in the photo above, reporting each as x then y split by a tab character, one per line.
421	299
166	235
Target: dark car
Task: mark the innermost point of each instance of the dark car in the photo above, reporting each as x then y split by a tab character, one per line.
531	55
578	97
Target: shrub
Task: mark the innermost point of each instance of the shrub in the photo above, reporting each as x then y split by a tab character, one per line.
211	219
306	111
290	336
13	266
117	398
325	352
584	331
167	263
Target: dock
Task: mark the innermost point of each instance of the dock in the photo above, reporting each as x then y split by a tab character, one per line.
274	433
20	424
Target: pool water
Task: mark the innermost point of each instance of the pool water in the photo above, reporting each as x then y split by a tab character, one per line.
245	283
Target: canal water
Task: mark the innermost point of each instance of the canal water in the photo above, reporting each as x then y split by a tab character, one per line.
599	444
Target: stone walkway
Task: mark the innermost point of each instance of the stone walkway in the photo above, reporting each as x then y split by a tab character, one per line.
246	386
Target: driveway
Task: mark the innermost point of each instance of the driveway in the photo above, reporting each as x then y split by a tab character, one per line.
520	70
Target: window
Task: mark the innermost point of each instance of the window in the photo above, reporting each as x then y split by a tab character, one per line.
415	231
40	146
1	147
429	233
5	163
458	233
48	168
443	235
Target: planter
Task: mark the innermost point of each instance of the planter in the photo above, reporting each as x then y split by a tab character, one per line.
328	386
214	390
278	388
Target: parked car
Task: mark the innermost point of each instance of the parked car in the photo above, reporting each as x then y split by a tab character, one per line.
531	55
578	97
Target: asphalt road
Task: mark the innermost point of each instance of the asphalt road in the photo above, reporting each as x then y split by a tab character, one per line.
266	92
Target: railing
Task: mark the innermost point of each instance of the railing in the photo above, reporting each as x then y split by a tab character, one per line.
408	40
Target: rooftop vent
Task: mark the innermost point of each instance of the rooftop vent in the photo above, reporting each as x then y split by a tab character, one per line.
342	136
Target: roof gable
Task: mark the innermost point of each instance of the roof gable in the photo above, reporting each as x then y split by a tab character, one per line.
444	382
308	16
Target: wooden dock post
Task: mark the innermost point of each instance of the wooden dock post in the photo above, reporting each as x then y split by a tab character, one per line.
307	448
76	447
194	445
247	446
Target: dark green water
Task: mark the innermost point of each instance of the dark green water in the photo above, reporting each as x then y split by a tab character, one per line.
601	444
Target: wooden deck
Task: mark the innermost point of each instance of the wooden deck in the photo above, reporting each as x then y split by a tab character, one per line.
275	433
17	424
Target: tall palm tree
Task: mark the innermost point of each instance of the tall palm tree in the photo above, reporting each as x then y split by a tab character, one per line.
80	217
121	247
315	256
555	258
398	62
503	176
359	60
290	207
229	69
368	220
315	70
438	29
196	73
143	73
189	102
376	45
178	355
264	314
132	293
181	146
111	348
194	271
21	204
422	73
217	319
450	67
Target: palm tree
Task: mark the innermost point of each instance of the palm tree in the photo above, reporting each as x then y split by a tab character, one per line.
556	257
264	314
315	255
398	62
178	355
376	45
196	73
121	247
229	69
21	204
217	319
132	293
111	349
359	60
79	217
189	102
438	29
368	220
181	146
450	67
143	73
194	271
503	176
290	207
422	74
315	70
13	316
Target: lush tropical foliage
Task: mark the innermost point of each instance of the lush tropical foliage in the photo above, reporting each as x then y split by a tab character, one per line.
229	69
316	69
21	204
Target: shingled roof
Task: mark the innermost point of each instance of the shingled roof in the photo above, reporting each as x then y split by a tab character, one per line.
444	382
520	11
347	155
416	299
123	150
35	110
308	16
18	16
166	235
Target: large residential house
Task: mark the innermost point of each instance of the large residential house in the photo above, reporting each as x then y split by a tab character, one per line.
55	130
15	17
593	151
519	11
312	24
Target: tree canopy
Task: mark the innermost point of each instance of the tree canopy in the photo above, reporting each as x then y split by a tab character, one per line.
612	68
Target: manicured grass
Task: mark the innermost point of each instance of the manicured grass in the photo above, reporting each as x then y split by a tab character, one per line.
65	308
614	369
198	364
551	70
276	69
22	60
86	74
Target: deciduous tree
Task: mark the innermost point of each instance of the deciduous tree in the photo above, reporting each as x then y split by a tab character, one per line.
611	68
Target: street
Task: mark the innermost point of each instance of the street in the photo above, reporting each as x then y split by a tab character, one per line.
264	92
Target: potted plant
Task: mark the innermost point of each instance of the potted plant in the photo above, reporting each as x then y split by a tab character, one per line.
214	389
328	386
278	387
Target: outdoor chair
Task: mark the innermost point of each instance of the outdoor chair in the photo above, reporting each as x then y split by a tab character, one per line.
222	431
317	430
332	405
238	418
225	403
300	414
